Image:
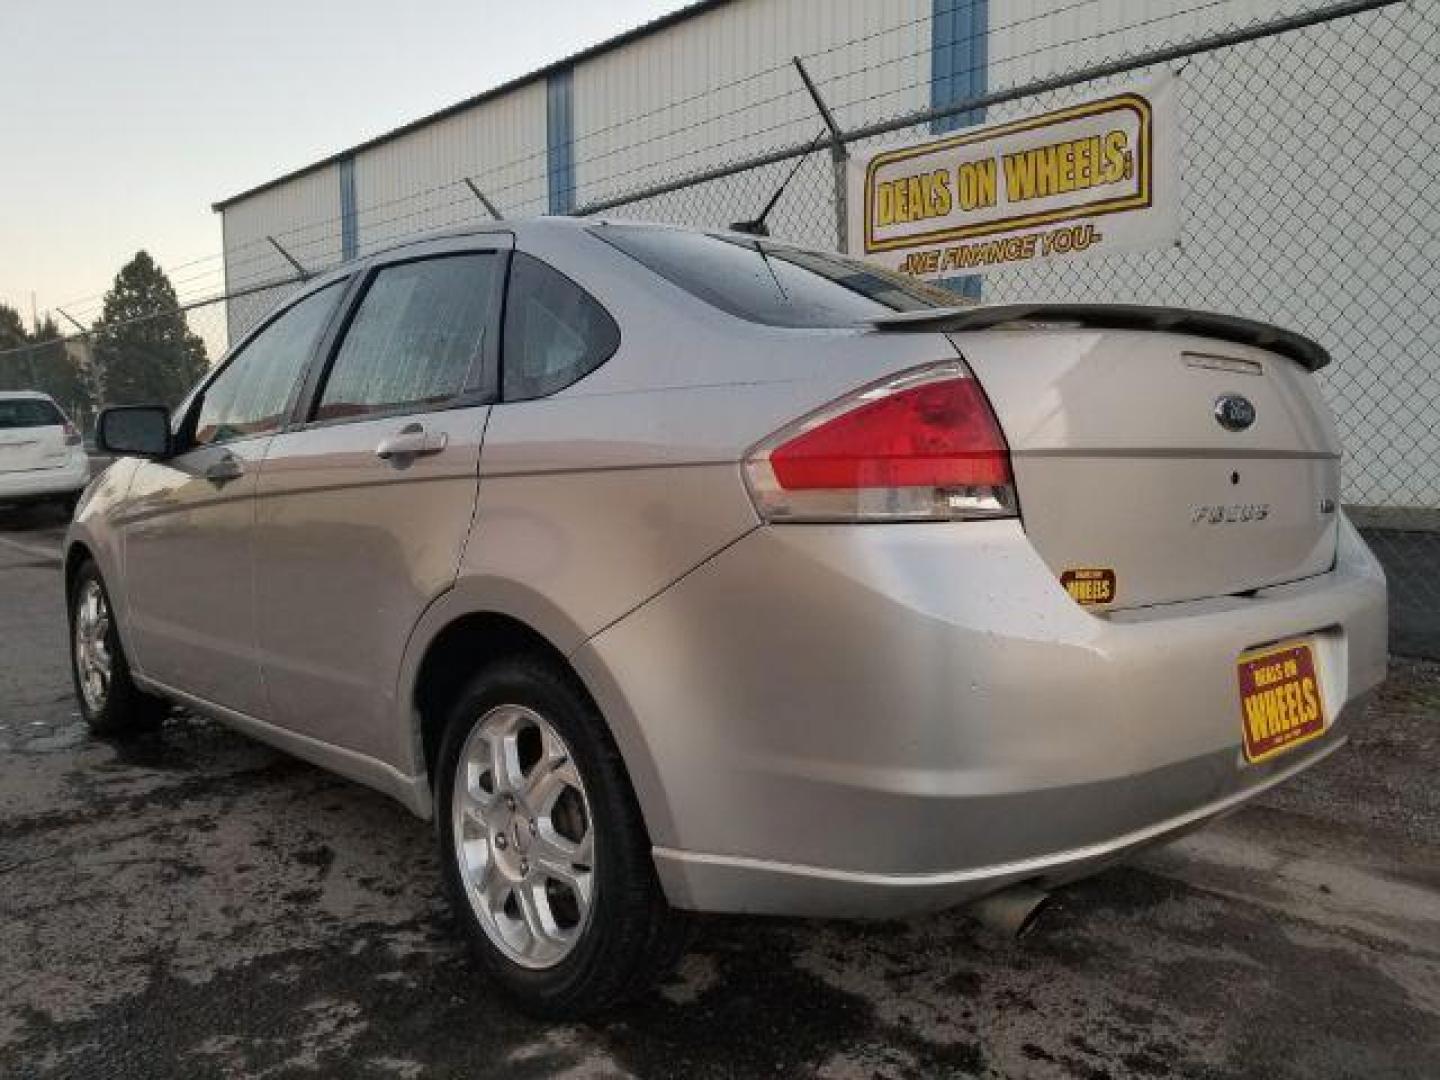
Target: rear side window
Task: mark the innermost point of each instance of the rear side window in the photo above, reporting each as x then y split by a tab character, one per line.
415	339
250	396
555	332
771	283
28	413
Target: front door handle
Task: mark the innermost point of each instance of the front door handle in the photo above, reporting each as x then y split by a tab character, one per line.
224	470
411	441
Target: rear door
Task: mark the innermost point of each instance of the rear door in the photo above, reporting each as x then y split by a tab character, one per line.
365	506
187	526
32	435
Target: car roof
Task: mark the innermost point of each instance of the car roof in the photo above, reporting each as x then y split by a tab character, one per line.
547	226
28	395
515	229
561	225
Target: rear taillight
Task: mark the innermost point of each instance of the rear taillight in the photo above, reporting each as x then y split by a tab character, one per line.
922	446
72	437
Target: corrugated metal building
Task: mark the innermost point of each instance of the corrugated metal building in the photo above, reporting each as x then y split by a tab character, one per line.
711	83
1284	154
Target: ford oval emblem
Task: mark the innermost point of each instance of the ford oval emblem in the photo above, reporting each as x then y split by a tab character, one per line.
1235	413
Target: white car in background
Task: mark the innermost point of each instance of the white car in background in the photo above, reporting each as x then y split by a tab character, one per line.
42	456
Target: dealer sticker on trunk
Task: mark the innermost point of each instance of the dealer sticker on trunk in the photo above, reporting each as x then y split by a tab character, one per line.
1090	585
1280	702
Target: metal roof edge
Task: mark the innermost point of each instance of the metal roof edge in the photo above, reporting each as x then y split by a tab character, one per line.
689	11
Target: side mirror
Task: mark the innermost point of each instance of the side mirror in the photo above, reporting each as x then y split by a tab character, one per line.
134	430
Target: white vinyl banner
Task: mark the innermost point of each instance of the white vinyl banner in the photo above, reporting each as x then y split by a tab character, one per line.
1100	175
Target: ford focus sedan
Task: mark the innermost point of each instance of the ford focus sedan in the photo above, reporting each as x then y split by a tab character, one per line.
670	571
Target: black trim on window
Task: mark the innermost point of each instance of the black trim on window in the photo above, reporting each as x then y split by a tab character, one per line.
319	360
505	320
189	412
480	381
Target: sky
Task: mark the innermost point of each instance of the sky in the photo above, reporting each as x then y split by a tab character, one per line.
123	122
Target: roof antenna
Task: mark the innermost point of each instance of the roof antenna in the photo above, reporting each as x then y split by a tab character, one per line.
758	226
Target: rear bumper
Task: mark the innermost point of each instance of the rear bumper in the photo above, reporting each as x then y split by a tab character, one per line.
34	484
728	883
866	720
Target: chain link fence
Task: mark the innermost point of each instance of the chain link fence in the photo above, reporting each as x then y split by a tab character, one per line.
1310	199
148	357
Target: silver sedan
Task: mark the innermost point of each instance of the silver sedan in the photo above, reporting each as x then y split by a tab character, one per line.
673	571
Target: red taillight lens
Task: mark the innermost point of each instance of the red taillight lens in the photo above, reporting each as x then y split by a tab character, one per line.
939	434
923	446
72	437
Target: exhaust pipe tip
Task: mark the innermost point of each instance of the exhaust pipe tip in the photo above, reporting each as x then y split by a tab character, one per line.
1012	911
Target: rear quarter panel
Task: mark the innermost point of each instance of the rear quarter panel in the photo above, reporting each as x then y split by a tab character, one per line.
600	497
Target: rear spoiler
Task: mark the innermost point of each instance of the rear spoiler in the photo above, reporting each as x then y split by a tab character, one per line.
1297	347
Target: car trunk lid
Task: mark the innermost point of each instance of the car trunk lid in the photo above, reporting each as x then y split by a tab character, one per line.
1131	485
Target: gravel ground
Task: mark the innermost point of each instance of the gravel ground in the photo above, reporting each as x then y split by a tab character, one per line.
196	905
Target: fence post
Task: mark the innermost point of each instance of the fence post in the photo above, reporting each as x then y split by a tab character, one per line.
839	159
299	269
489	206
90	369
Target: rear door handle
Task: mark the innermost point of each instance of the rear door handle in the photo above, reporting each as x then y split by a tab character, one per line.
411	441
223	471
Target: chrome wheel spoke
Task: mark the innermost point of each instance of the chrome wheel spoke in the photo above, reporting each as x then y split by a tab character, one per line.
494	890
565	870
474	810
552	847
503	753
535	909
549	777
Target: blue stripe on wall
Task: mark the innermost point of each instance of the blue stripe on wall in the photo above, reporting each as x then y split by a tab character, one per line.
349	222
559	140
959	56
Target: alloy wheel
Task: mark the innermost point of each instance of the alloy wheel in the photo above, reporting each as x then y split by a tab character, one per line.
523	835
93	661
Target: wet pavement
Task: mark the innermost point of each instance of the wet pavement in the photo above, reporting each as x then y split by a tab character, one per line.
196	905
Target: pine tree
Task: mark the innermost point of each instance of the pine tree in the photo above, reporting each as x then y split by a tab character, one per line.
13	357
58	371
144	350
12	328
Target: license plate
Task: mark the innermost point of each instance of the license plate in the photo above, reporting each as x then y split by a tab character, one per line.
1280	704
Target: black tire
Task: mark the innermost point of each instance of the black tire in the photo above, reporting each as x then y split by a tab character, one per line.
633	937
126	709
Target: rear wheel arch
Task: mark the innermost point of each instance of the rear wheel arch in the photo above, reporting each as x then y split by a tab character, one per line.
468	629
461	648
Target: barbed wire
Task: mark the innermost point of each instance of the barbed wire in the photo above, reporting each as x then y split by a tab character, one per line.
264	256
327	239
1307	156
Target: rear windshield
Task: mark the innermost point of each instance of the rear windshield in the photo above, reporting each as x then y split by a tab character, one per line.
771	283
28	412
